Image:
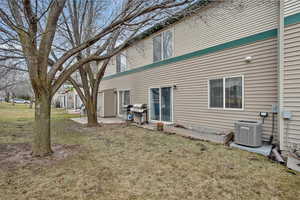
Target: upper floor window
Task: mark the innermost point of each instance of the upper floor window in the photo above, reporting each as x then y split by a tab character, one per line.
162	46
226	92
121	63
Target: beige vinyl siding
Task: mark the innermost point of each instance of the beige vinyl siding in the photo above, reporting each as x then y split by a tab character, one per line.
292	82
111	67
191	78
291	7
140	54
219	23
223	23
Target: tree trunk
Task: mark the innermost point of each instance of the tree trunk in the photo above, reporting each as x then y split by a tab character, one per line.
13	99
42	141
91	110
31	103
7	96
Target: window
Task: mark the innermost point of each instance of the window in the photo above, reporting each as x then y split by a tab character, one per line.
157	48
121	63
162	46
216	93
234	92
124	100
167	44
154	104
228	96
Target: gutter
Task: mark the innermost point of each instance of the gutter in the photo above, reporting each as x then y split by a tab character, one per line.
280	82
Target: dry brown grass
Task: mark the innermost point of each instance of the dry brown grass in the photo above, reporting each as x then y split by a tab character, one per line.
132	163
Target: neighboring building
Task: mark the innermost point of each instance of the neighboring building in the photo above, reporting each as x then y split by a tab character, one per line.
216	67
67	98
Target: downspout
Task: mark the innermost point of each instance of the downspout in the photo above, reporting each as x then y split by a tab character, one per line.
74	98
281	75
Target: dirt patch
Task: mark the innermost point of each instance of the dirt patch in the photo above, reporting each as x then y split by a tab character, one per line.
19	154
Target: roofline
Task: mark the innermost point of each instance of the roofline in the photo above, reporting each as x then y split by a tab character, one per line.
169	21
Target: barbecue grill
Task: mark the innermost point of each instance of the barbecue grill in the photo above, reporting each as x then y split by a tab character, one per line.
139	112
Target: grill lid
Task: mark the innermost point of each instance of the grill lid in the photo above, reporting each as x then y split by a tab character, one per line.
139	108
141	105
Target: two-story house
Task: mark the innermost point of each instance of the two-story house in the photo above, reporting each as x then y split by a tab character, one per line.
230	61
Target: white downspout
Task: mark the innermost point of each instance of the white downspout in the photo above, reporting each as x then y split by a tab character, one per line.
74	98
281	74
66	95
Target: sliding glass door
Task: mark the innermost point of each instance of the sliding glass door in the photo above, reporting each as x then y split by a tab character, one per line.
166	104
154	104
161	104
124	100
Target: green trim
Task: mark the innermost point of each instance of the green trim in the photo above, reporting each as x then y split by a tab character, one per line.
243	41
235	43
293	19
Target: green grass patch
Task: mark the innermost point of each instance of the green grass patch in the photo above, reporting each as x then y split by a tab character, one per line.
22	112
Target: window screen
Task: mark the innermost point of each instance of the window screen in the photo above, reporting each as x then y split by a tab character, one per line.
167	44
121	63
234	92
118	63
216	93
126	97
157	53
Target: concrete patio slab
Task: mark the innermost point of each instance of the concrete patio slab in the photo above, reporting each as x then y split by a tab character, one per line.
263	150
212	136
110	121
73	111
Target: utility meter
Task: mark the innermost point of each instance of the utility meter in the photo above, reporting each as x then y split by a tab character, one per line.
263	115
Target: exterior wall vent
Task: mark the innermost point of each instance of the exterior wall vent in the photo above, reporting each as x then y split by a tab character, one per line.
248	133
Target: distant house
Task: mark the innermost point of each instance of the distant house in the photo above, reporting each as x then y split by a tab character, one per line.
214	68
67	98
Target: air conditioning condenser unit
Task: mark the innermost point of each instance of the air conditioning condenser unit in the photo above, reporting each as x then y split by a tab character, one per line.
248	133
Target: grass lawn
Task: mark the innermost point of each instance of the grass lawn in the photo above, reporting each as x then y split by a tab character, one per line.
119	162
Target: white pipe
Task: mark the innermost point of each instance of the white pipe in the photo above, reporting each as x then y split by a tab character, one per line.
74	95
278	156
281	75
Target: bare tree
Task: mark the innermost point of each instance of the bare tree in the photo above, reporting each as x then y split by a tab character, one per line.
81	21
29	32
82	26
9	76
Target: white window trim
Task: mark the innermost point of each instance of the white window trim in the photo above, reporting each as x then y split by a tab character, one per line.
224	97
162	46
118	96
172	102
